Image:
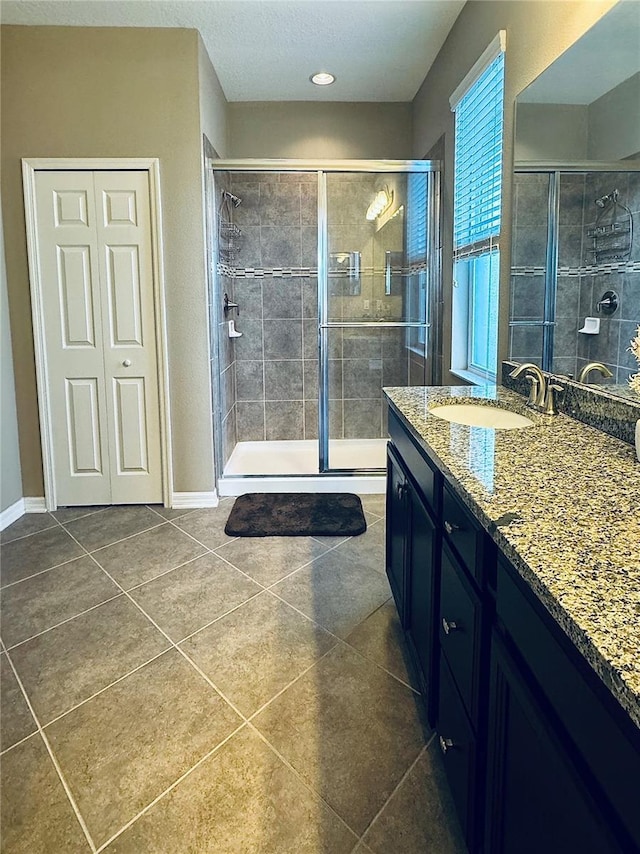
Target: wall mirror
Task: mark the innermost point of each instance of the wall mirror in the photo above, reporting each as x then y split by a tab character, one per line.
575	274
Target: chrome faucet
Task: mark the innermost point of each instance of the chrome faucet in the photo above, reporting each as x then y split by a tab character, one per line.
543	389
593	366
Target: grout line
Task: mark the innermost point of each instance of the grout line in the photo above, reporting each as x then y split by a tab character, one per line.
166	518
400	782
110	685
170	788
122	539
169	639
22	741
56	765
42	571
233	566
379	666
228	701
220	617
62	622
255	714
4	542
301	779
167	571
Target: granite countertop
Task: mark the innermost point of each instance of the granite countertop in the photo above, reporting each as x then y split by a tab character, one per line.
562	501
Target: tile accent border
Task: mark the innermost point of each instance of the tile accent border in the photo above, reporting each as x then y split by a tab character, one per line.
194	500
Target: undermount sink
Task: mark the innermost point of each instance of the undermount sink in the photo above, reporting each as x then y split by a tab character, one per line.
476	415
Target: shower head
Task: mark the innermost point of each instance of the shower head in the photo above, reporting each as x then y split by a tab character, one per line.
235	200
603	201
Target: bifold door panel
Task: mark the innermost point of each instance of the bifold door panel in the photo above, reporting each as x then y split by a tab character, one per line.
96	276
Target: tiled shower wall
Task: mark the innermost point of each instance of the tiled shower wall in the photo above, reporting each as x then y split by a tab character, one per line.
581	284
270	375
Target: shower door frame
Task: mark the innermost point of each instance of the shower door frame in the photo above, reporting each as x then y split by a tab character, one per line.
555	171
433	284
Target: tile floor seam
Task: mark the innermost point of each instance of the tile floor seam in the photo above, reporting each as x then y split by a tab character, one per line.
62	622
171	642
226	614
233	566
306	616
302	781
18	743
308	563
228	562
166	519
170	788
52	756
175	646
165	572
106	687
115	542
42	571
31	534
379	666
174	522
292	683
395	789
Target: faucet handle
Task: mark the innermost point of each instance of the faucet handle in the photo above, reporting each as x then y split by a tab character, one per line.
550	400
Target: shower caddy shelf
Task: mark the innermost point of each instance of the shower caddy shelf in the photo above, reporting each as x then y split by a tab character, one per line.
612	232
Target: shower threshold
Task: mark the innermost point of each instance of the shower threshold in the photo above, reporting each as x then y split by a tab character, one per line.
292	466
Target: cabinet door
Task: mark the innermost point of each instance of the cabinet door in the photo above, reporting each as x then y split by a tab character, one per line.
423	599
397	532
536	801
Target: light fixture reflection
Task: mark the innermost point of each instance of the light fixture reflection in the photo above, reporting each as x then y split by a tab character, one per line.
322	78
381	202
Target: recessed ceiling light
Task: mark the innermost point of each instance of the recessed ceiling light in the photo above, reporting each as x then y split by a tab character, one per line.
322	78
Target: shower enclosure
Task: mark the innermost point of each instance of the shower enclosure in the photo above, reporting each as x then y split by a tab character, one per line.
575	275
323	281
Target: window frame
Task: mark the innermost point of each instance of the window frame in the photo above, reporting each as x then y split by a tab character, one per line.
487	242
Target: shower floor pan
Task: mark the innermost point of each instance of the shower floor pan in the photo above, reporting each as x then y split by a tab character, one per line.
292	466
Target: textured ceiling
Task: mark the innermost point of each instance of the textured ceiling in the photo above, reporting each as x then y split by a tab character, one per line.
606	55
265	50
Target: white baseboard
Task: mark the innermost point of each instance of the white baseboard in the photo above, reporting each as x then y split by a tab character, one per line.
180	500
35	505
12	514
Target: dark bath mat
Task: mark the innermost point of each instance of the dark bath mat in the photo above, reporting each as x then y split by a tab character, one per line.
296	514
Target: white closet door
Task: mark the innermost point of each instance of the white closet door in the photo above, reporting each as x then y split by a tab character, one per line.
94	252
129	337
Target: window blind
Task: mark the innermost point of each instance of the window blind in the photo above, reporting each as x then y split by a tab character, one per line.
417	213
478	158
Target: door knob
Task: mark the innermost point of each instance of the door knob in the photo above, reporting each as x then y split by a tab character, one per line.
127	363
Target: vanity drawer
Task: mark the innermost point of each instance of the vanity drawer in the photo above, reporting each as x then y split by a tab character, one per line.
600	730
460	630
463	533
458	748
424	476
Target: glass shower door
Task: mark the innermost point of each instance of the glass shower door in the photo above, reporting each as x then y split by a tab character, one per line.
374	306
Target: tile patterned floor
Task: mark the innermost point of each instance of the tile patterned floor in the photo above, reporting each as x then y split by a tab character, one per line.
166	688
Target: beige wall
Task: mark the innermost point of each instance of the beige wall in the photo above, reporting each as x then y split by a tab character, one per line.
537	33
10	476
102	92
306	129
213	104
551	132
614	122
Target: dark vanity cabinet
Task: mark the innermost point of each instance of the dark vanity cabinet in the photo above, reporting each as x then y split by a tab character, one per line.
412	555
539	755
